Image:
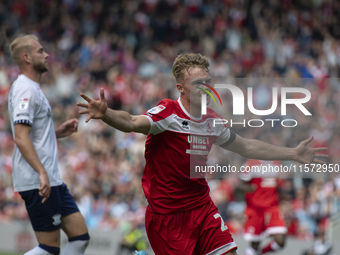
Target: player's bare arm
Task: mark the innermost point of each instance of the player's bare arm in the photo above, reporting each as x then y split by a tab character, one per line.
67	128
121	120
256	149
25	145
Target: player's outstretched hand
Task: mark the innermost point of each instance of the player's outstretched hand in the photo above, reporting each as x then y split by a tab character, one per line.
95	108
45	188
308	155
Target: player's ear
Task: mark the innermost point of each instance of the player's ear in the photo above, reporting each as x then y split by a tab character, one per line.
26	58
180	87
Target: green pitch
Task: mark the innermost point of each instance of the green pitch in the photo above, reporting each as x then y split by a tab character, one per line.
9	253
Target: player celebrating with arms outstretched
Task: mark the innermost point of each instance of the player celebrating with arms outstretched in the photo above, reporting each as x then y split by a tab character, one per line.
181	217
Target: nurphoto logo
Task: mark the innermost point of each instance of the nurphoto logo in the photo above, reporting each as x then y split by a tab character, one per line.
238	100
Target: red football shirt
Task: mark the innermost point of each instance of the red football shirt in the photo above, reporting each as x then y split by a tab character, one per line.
265	194
175	140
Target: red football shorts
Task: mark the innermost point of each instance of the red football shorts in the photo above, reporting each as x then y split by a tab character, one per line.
195	232
263	222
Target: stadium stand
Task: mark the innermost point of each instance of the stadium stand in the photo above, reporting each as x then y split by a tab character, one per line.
127	47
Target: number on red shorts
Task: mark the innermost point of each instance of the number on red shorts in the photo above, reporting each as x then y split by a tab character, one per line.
223	226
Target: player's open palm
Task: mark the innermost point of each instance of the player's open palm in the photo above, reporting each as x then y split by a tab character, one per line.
307	155
95	108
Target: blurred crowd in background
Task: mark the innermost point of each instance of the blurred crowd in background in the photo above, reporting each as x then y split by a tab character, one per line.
127	47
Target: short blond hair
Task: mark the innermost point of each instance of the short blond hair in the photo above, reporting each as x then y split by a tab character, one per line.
20	45
184	62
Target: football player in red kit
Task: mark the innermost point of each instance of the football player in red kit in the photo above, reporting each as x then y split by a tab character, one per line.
181	217
263	213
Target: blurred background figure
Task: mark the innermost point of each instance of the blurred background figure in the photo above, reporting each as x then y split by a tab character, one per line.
321	246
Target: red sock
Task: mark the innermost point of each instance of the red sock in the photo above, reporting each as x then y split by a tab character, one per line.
272	246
